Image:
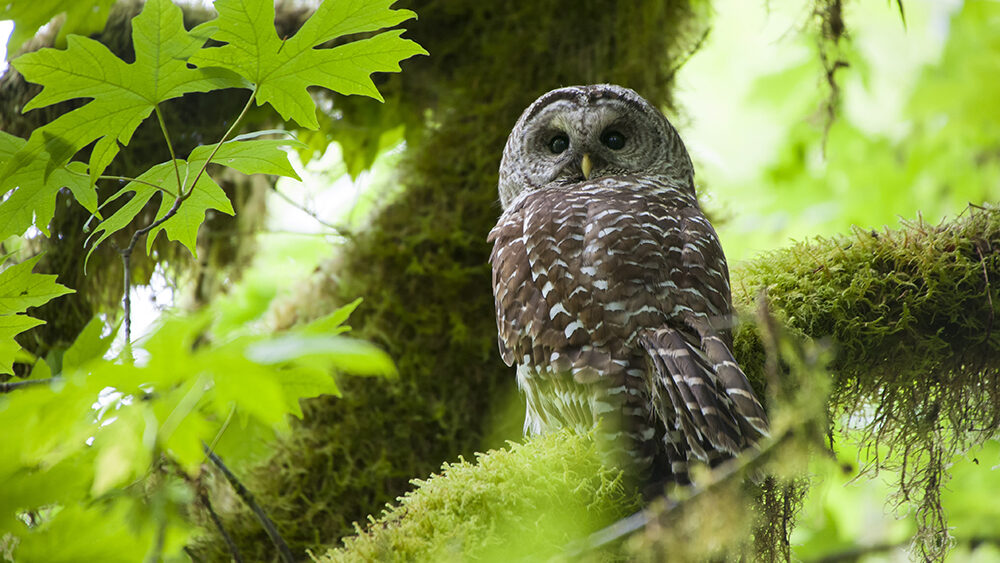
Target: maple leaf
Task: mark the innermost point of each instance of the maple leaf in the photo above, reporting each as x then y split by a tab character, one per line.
81	17
255	156
20	289
283	70
123	95
21	206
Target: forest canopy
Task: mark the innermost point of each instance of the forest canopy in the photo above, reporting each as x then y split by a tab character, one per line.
245	305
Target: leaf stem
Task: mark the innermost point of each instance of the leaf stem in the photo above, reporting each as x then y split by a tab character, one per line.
170	147
232	128
120	178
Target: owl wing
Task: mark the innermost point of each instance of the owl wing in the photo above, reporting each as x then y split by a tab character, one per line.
700	392
544	293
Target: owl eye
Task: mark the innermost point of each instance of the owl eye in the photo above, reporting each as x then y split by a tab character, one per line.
612	139
559	143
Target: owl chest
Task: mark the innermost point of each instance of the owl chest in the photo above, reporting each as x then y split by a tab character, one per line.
603	274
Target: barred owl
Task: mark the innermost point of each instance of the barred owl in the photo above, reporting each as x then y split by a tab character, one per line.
612	291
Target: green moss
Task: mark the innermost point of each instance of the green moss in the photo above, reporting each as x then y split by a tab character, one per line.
924	372
525	501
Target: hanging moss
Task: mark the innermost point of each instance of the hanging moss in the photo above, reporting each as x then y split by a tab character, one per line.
912	313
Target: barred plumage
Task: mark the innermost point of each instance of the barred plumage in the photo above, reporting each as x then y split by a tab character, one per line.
611	288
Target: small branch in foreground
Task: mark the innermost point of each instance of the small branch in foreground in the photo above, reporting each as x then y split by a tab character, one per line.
631	524
247	496
8	386
182	196
234	551
304	209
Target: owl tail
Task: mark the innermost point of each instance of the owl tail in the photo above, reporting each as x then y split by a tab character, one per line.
703	398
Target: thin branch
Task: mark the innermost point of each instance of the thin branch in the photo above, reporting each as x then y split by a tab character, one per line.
305	210
126	255
234	551
8	386
247	496
630	524
159	540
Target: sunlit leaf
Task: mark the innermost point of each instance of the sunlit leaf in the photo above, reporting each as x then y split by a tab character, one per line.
346	354
33	199
283	70
121	455
81	18
122	96
20	288
183	226
333	323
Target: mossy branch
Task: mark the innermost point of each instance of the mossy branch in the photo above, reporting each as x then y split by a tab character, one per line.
908	314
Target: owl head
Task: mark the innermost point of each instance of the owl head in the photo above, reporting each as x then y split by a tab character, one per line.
585	133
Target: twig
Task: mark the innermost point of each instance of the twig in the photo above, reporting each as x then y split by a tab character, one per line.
306	210
989	294
234	551
639	520
8	386
247	496
161	536
857	552
687	56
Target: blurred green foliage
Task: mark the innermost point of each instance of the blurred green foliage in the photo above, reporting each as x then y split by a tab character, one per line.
103	452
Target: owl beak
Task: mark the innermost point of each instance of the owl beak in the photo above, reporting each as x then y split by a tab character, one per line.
586	165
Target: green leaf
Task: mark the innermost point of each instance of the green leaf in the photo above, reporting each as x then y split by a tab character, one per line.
11	326
183	226
120	452
346	354
283	70
20	288
34	199
332	324
122	94
257	156
82	18
88	345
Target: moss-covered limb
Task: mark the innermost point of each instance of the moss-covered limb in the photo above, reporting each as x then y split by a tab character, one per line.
526	501
921	297
543	500
911	314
